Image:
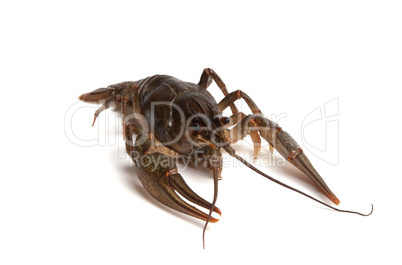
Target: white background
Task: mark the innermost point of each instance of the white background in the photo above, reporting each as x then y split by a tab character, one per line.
62	203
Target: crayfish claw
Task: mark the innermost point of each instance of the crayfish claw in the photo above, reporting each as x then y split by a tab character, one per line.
163	183
178	183
289	149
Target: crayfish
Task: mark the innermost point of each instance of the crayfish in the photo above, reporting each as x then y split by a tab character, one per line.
172	118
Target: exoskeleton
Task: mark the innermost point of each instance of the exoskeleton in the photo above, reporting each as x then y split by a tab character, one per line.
175	119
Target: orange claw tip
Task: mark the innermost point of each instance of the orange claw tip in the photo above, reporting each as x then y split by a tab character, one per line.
334	199
217	210
328	193
213	220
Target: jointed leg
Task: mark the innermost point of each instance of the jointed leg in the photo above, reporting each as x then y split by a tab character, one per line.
104	106
233	96
206	79
247	124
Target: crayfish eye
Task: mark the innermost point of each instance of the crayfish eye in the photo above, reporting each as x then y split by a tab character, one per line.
225	120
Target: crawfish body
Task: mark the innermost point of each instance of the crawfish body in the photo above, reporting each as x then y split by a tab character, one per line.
173	118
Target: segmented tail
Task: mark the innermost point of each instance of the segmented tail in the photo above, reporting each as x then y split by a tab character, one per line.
100	94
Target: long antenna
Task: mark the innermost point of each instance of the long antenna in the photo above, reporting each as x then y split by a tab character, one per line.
232	153
216	175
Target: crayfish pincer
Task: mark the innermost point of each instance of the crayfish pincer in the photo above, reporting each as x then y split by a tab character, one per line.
175	120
